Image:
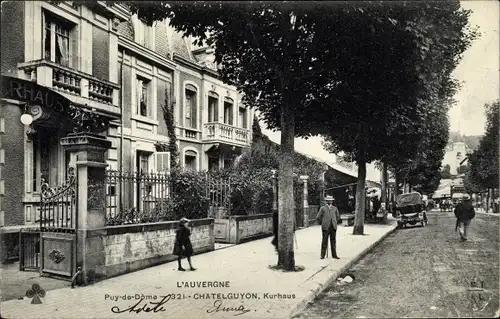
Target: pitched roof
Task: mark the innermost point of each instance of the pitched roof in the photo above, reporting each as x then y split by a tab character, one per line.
180	46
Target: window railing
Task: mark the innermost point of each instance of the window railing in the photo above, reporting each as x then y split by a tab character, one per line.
224	132
71	81
191	134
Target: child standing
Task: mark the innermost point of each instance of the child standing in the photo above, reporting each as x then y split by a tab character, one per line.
182	245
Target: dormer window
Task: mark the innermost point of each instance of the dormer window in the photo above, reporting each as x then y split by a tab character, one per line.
143	34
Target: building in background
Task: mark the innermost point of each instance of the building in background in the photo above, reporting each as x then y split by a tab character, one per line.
455	154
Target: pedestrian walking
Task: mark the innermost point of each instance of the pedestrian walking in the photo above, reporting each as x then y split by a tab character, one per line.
464	212
182	245
328	216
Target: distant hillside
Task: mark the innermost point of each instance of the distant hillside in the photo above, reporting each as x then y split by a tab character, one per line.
472	141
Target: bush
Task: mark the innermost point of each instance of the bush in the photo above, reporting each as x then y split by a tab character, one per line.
250	190
189	196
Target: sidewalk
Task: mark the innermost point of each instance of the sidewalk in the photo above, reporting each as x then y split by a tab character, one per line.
245	267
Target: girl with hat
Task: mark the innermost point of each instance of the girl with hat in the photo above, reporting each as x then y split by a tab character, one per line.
182	245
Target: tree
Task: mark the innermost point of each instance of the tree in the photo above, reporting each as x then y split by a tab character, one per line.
462	169
446	172
278	56
256	130
416	47
484	161
299	63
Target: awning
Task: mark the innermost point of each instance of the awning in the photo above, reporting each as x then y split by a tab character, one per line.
442	193
104	109
69	113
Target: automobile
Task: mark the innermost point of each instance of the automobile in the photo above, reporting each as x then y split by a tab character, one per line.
411	210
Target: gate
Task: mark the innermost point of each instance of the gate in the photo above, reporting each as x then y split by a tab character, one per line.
29	249
58	225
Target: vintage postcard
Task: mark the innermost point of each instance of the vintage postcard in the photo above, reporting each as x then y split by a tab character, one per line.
253	159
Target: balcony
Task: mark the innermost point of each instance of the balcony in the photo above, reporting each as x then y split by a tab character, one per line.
220	132
103	93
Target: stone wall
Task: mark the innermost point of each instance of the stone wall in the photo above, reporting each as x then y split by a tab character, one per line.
126	248
240	228
250	227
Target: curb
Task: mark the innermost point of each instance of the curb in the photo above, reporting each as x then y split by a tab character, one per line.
489	214
322	286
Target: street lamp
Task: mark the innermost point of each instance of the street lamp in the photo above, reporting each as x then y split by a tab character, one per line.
26	118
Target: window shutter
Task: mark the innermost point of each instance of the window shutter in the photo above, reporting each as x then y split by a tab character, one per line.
163	162
193	111
138	84
74	50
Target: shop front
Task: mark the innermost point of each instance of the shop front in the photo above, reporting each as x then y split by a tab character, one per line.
35	166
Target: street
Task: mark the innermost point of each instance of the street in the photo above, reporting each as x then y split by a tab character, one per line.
421	272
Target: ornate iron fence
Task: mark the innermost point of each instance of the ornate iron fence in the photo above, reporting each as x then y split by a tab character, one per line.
136	197
58	205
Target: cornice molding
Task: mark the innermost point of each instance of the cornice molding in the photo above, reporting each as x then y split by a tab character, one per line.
146	53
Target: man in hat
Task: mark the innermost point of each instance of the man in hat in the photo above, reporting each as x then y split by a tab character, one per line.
328	216
464	212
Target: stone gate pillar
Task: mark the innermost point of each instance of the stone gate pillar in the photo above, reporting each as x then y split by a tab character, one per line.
88	155
304	179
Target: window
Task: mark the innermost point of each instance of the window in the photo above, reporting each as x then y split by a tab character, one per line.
213	163
142	86
213	109
45	158
190	160
190	107
142	33
142	162
162	162
242	117
57	40
228	113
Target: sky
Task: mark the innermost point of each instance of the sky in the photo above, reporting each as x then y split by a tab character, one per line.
478	72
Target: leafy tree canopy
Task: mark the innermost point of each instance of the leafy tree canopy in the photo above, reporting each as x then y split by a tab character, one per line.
483	162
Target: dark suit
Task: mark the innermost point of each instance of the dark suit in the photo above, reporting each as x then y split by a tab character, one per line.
464	212
328	217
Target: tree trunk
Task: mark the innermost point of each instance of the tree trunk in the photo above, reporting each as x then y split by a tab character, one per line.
396	185
488	197
286	258
383	193
359	215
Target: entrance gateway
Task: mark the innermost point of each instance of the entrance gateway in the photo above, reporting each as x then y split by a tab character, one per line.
51	248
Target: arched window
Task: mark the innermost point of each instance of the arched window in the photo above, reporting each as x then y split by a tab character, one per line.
213	107
228	110
190	158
